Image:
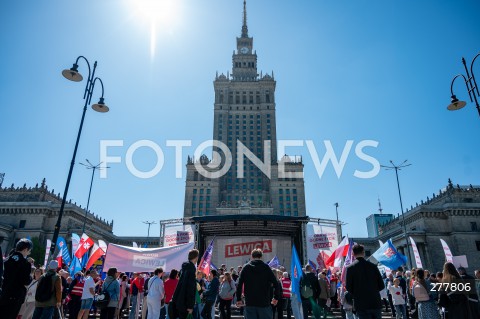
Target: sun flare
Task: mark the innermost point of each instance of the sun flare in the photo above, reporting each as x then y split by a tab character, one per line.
160	16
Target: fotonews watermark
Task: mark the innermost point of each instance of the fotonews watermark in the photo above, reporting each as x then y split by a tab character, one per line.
226	159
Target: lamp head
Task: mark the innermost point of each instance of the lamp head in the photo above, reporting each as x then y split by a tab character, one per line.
100	106
456	104
72	74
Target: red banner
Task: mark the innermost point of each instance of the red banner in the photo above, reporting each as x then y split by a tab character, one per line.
244	249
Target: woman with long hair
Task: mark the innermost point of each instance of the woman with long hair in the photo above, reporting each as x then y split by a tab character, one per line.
123	282
426	307
455	304
111	286
227	290
28	306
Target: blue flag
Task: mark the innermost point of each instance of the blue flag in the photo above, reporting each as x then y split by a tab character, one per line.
296	273
388	256
212	266
274	263
62	246
75	266
312	264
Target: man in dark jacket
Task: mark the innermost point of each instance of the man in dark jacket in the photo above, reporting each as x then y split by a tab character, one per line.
183	298
256	280
310	279
16	276
364	282
210	294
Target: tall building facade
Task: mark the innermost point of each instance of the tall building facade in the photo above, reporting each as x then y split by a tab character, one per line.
374	221
254	180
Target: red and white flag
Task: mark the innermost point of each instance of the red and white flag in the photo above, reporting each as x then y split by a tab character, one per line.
97	252
416	254
335	260
83	246
59	259
446	249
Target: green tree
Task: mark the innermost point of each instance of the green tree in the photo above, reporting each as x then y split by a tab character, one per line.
38	252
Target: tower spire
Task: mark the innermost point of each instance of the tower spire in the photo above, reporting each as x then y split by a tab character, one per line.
380	209
244	26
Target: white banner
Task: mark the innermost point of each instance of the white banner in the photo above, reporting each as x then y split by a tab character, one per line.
129	259
418	261
178	235
236	251
446	249
321	239
49	245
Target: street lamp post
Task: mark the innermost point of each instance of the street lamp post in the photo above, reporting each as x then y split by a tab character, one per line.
339	227
93	168
72	74
397	168
472	88
149	224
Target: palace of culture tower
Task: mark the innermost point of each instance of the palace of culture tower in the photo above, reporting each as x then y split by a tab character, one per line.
244	113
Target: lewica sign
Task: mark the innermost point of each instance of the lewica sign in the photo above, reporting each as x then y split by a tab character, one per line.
244	249
149	261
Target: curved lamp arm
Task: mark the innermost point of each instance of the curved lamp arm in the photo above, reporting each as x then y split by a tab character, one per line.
93	85
89	73
465	79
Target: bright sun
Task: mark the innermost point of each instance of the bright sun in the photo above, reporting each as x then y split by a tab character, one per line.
160	15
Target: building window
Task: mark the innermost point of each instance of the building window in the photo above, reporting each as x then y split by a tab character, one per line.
478	245
201	191
194	198
22	223
280	191
194	190
474	226
194	205
201	198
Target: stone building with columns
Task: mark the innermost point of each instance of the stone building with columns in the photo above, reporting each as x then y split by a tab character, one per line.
33	212
452	214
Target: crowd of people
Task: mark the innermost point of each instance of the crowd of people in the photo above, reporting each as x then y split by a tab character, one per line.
255	289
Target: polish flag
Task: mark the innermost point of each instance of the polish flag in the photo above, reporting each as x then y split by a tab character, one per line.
59	259
335	260
83	246
97	252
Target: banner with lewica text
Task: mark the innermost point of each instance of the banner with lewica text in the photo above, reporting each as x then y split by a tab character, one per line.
178	234
321	242
130	259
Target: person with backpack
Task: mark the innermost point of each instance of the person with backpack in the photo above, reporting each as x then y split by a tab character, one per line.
136	293
111	291
227	290
309	290
48	297
16	275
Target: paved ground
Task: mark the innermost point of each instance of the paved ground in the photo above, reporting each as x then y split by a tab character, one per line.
335	314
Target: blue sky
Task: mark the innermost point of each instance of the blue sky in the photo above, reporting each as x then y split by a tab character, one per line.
345	70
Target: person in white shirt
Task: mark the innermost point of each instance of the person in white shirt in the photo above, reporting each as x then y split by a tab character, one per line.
398	299
156	292
87	295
